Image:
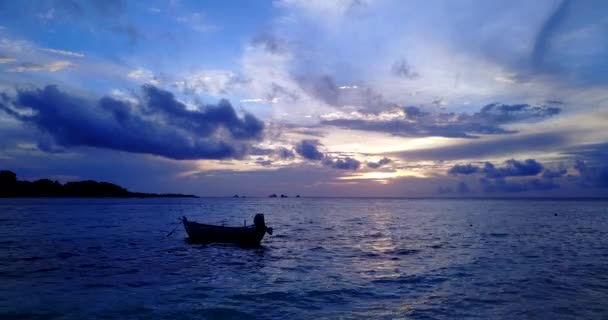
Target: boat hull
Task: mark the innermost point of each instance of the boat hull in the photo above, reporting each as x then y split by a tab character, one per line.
204	233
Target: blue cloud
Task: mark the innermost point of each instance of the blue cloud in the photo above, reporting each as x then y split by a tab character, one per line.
157	124
380	163
285	153
547	32
550	174
513	168
595	176
308	149
502	185
346	163
463	169
489	121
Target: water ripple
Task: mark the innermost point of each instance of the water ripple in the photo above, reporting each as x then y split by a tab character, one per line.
328	259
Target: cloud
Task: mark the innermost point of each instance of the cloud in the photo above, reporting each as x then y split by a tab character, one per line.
308	149
463	169
213	82
49	67
269	42
144	76
596	153
550	173
591	164
325	89
63	52
157	124
402	69
380	163
413	122
508	177
490	148
263	162
284	153
501	185
592	175
4	60
346	163
547	32
511	168
504	113
500	179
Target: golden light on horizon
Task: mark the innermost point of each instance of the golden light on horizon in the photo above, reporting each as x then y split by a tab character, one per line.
383	177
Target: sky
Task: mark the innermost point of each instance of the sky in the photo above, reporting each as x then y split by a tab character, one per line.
360	98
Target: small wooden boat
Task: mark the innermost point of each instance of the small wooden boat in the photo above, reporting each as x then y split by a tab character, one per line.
244	236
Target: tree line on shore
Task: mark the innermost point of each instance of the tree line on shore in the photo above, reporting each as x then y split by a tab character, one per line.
10	187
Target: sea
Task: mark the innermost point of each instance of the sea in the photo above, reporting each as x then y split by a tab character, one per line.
327	259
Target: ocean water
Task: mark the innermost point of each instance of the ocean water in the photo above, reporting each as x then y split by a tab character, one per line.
327	259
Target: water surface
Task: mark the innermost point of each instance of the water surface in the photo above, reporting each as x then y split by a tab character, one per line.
328	258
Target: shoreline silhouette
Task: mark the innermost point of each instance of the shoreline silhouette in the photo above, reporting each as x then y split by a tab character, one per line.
10	187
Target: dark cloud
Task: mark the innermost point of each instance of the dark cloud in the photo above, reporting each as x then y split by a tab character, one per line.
510	168
592	153
416	123
550	173
346	163
502	185
324	88
402	69
463	169
157	124
413	129
513	168
309	149
263	162
285	153
496	147
204	122
547	32
504	113
380	163
591	164
414	112
280	152
595	176
508	177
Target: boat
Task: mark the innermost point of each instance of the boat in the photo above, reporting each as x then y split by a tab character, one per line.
244	236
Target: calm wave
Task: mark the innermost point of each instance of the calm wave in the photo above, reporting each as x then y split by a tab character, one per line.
328	258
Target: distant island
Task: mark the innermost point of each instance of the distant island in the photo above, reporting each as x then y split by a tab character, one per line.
10	187
274	195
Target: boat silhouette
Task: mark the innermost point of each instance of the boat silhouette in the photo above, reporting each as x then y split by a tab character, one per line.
244	236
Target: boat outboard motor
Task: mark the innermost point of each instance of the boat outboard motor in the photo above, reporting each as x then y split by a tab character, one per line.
259	223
